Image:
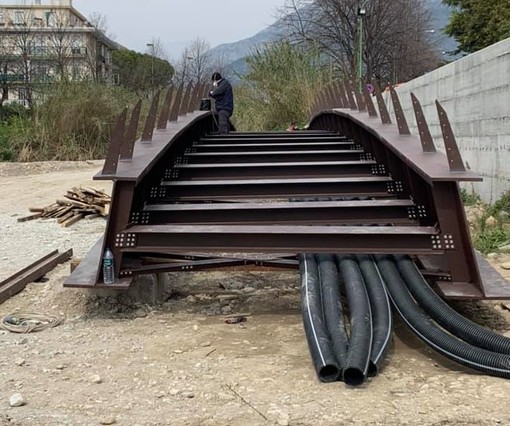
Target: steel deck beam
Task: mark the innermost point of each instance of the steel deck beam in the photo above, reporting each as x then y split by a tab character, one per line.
316	169
270	146
273	156
275	188
277	239
295	213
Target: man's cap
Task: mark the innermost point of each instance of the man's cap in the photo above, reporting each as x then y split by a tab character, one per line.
216	76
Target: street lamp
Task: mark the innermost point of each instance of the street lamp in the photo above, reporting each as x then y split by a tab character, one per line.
417	35
185	67
361	14
151	45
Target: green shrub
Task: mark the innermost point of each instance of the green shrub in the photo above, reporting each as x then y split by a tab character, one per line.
12	110
279	88
469	199
502	205
491	239
71	121
6	152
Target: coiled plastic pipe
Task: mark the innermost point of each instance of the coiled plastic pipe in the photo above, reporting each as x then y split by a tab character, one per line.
360	342
446	316
380	306
332	306
319	344
471	356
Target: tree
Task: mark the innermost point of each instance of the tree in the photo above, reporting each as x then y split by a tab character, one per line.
476	24
196	64
136	70
63	42
280	86
394	35
17	71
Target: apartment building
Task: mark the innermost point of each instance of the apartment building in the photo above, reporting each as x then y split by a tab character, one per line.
46	41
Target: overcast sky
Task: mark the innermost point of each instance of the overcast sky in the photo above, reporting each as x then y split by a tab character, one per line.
177	22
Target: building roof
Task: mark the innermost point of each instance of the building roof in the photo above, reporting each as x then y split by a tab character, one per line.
63	5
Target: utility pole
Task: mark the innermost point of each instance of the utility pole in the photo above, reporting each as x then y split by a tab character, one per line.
361	15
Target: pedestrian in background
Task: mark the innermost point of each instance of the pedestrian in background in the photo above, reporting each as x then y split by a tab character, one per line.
224	97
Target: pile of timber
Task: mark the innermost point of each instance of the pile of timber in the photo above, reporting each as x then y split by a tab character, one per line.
77	204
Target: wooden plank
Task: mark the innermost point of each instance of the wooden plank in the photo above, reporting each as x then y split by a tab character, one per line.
72	220
29	218
38	269
65	217
59	212
92	216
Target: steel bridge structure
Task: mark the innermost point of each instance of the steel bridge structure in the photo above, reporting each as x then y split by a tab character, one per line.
185	198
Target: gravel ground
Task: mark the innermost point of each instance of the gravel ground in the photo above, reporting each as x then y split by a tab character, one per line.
116	361
38	185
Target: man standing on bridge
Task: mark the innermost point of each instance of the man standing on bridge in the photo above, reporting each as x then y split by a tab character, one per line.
224	97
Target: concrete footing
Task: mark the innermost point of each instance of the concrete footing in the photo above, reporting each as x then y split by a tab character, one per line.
146	289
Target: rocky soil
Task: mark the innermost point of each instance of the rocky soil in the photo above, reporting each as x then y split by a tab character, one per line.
117	361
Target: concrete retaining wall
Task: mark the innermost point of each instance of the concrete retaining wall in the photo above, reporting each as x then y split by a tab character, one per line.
475	91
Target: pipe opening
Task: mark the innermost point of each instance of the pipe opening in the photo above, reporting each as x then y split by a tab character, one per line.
372	369
353	377
329	373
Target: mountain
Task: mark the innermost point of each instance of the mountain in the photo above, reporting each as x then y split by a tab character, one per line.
234	54
231	52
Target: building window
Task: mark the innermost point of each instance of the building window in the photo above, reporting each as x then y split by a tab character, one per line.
50	19
78	49
23	96
38	49
19	17
2	17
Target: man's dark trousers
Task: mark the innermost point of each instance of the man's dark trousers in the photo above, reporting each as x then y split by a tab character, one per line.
223	121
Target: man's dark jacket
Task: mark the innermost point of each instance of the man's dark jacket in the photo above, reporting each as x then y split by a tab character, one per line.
224	96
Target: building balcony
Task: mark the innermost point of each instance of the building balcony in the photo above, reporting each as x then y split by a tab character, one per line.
12	78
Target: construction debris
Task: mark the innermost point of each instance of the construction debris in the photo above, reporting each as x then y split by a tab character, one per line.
33	272
77	204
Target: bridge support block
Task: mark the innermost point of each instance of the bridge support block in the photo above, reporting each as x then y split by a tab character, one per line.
145	289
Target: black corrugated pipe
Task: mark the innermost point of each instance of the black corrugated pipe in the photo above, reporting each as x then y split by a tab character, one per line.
332	306
479	359
380	306
313	320
446	316
360	342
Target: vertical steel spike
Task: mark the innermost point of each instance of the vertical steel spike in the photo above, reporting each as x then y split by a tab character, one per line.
194	94
126	151
183	109
117	135
148	130
322	100
383	110
198	97
205	93
343	96
329	97
333	94
369	102
174	111
165	112
359	99
403	128
350	97
427	142
452	149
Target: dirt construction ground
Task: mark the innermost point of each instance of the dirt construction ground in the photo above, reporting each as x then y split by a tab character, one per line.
116	361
